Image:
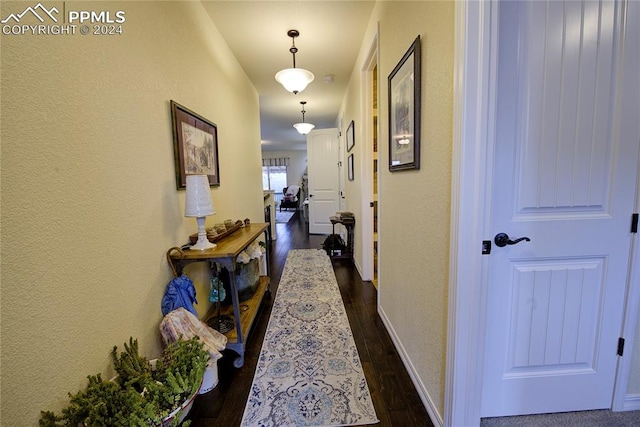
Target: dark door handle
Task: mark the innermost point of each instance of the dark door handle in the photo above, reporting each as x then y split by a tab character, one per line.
502	239
310	195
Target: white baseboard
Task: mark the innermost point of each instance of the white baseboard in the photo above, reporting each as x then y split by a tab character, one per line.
632	402
436	418
357	266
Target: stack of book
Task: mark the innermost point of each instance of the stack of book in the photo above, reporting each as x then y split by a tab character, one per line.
345	216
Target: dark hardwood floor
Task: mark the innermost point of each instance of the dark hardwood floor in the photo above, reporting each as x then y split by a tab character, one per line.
395	398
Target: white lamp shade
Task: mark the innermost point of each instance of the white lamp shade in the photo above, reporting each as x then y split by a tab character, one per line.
304	128
198	202
294	80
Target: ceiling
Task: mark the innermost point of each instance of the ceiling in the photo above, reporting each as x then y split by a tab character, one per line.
331	33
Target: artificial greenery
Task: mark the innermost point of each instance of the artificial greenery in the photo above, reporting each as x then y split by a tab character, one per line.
142	395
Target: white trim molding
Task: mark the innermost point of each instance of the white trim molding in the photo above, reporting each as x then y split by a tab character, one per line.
474	107
366	156
622	400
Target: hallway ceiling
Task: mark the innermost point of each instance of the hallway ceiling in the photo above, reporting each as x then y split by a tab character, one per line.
331	33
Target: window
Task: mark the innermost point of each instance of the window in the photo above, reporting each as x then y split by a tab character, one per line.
274	178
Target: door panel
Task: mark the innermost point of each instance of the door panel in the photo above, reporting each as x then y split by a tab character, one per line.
553	330
565	111
564	117
322	158
565	172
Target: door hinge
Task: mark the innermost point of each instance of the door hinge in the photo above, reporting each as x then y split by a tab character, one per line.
620	346
634	223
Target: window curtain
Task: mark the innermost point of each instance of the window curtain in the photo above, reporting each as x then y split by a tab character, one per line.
280	161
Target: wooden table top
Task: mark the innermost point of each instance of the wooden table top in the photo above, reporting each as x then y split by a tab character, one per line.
229	247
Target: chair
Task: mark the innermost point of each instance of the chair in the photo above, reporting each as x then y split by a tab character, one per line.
290	200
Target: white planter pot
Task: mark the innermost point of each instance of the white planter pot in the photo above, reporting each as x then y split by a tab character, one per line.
180	412
210	378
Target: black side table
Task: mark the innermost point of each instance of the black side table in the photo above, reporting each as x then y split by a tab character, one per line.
349	223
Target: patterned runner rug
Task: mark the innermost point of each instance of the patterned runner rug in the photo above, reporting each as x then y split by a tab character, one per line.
309	372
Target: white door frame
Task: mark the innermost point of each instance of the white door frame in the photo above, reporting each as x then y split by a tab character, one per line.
476	36
630	320
473	111
366	223
632	299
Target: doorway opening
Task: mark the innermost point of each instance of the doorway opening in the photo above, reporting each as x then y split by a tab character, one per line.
374	165
370	166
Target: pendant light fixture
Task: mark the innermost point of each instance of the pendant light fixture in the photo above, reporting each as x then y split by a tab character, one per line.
294	79
303	128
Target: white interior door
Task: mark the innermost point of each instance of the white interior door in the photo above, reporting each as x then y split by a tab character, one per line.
565	173
322	162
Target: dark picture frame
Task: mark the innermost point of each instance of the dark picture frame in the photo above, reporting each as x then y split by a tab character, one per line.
350	167
404	111
195	146
351	141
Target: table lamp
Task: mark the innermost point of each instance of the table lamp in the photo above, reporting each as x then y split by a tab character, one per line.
198	204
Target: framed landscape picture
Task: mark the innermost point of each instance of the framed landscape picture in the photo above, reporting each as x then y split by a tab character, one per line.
350	137
404	111
195	146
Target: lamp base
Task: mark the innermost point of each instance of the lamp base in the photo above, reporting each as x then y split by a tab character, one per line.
202	245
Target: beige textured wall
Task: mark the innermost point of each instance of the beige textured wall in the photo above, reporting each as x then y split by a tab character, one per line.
89	204
414	205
